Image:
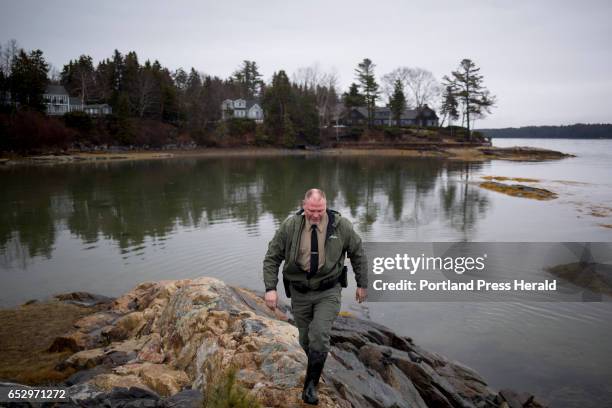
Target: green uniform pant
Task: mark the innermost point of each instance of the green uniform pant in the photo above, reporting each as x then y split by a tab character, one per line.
314	313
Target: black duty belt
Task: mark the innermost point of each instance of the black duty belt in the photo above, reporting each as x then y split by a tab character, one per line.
324	285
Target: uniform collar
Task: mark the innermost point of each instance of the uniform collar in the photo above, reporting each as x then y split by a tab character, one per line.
324	220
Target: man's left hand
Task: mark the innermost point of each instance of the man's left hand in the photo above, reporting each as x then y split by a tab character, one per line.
361	294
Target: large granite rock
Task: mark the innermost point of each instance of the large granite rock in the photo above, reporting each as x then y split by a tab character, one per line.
163	342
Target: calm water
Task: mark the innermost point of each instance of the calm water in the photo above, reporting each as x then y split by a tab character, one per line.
104	227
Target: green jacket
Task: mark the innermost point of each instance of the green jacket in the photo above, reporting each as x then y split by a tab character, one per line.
340	240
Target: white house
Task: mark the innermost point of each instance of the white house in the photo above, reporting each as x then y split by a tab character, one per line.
58	102
242	108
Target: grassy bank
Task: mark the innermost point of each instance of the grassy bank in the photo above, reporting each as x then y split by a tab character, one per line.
26	333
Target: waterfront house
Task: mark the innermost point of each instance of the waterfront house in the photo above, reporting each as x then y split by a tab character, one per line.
242	108
422	116
58	102
97	109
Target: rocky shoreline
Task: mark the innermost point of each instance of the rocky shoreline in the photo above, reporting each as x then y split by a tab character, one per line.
162	343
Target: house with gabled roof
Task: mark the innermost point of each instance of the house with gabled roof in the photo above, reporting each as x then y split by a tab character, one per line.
422	116
242	108
59	102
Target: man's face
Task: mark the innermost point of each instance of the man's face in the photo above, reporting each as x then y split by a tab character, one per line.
314	210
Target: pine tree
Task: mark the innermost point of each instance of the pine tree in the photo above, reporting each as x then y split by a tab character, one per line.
28	79
353	98
288	136
114	80
277	102
365	76
475	98
449	107
193	99
397	102
78	77
3	88
304	114
131	76
248	79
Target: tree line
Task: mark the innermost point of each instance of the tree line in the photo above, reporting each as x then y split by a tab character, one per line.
190	101
463	94
577	131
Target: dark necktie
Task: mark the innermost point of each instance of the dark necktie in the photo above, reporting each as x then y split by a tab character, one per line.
314	252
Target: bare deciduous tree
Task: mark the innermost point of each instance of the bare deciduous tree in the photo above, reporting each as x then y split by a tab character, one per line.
8	52
147	95
389	80
323	84
420	86
424	86
54	74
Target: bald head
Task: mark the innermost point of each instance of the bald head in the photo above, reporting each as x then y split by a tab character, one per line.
314	194
314	205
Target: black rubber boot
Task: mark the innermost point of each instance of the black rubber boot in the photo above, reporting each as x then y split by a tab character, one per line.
316	361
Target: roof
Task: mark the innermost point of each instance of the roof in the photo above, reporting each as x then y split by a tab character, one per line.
251	102
384	113
55	90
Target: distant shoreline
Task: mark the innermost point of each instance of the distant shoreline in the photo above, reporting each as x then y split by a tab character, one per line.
551	138
576	131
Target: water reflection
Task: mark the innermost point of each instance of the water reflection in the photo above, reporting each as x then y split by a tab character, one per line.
133	202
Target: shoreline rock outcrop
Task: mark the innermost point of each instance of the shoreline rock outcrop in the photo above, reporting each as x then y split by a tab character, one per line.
164	342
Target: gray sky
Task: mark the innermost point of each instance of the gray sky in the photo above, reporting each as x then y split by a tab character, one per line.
548	62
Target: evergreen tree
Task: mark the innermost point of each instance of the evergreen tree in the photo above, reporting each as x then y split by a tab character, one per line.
290	111
277	102
148	92
130	82
352	98
110	74
180	79
288	136
103	78
78	77
397	102
28	79
248	79
305	115
169	101
212	97
193	99
475	98
365	76
449	107
180	82
4	88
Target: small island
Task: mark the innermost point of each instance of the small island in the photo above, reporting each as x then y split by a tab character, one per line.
122	109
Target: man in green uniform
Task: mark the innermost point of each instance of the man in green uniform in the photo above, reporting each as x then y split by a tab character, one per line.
313	244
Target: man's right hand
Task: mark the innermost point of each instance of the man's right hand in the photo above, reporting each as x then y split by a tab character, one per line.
271	299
